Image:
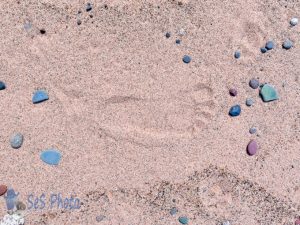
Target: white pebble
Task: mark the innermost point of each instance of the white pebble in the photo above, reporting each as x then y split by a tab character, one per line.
13	219
294	21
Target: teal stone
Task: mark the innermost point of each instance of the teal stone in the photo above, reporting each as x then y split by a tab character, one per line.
51	156
40	96
268	93
183	220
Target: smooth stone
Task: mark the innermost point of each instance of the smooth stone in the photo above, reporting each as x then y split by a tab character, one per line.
183	220
287	44
89	7
16	140
51	156
40	96
178	41
269	45
249	101
173	211
226	223
3	189
268	93
237	54
100	218
168	34
252	148
294	21
186	59
235	110
20	206
233	92
254	83
263	50
2	85
252	130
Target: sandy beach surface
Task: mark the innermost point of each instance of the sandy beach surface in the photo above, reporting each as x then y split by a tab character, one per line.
139	130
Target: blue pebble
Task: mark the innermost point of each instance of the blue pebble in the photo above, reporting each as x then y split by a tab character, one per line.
263	50
287	44
183	220
270	45
237	54
40	96
2	85
186	59
51	156
173	211
235	110
177	41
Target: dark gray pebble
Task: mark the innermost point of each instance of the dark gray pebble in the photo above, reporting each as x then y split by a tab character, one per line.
2	85
168	34
89	7
233	92
263	50
237	54
177	41
249	101
16	140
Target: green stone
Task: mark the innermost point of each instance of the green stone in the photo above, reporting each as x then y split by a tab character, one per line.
268	93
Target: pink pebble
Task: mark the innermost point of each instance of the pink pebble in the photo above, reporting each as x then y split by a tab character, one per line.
297	222
252	147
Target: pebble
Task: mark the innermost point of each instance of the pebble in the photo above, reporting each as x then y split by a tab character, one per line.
226	223
268	93
3	189
79	22
13	219
27	25
294	21
168	34
182	32
40	96
252	130
249	101
270	45
263	50
233	92
42	31
173	211
237	54
177	41
2	85
186	59
16	140
88	7
235	110
20	206
287	44
252	148
183	220
100	218
297	222
51	156
254	83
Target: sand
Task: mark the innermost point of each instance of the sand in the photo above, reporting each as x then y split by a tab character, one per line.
139	130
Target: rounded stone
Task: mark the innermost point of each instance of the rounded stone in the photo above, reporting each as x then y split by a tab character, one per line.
233	92
287	44
88	7
183	220
168	34
254	83
173	211
252	130
294	21
2	85
51	156
3	189
100	218
237	54
178	41
252	148
269	45
263	50
39	96
249	101
20	206
16	140
235	110
186	59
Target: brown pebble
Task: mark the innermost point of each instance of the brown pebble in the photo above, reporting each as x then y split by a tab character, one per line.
3	189
20	205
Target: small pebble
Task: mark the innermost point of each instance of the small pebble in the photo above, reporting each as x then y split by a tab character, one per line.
27	25
183	220
2	85
42	31
249	101
235	110
40	96
182	32
287	44
252	130
233	92
3	189
51	156
88	7
178	41
270	45
237	54
268	93
297	222
252	148
20	206
168	34
16	140
263	50
173	211
186	59
294	21
254	83
79	22
100	218
226	223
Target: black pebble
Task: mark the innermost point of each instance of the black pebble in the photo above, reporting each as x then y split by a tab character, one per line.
78	22
43	31
177	41
168	35
88	7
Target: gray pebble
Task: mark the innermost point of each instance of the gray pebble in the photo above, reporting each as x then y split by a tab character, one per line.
226	223
252	130
100	218
254	83
173	211
16	140
294	21
287	44
249	101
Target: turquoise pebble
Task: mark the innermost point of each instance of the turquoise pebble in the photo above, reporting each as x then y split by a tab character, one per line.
268	93
183	220
40	96
51	156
